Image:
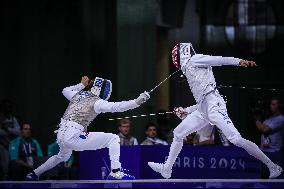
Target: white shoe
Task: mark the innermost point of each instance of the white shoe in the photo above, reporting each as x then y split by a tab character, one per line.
160	168
119	175
275	171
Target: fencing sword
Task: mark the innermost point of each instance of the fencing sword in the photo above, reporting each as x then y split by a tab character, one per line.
153	114
163	81
142	115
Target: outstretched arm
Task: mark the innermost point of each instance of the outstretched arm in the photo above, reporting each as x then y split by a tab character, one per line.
69	92
103	106
207	60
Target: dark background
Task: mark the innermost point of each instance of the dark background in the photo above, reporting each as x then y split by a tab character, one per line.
49	44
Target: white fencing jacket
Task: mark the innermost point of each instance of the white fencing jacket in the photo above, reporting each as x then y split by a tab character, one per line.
199	74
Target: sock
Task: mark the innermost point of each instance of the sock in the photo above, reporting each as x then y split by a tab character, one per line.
49	164
175	149
114	154
254	151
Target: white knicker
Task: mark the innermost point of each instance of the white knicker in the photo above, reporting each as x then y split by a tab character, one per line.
71	136
211	111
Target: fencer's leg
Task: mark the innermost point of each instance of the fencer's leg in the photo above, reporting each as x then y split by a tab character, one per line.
192	123
254	151
218	116
63	155
98	140
114	153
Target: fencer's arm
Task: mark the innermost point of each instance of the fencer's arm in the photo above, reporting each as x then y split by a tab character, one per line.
103	106
183	112
191	109
201	60
69	92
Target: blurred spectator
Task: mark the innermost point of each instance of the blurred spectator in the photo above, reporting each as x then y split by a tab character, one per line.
1	169
164	128
4	162
191	139
151	136
124	130
205	135
22	152
9	129
8	122
272	130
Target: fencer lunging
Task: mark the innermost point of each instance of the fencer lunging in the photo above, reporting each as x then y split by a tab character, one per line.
210	108
87	100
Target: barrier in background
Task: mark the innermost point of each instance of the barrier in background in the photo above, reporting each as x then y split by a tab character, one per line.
194	162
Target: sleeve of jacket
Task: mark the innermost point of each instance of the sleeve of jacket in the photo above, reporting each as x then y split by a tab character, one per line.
103	106
69	92
201	60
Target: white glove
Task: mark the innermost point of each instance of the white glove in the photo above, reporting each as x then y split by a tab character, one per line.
180	112
143	97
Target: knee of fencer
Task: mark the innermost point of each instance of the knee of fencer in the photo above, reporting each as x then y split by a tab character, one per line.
177	138
212	117
62	158
115	139
236	140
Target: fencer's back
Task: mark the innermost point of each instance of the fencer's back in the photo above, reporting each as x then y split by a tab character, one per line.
81	108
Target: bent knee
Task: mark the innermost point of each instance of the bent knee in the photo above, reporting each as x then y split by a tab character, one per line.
236	140
63	157
114	139
178	137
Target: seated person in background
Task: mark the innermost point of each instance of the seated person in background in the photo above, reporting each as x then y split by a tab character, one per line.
191	139
9	129
124	130
151	133
206	136
164	126
1	170
272	130
8	121
22	152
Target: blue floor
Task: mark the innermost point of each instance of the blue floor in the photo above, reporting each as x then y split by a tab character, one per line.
154	183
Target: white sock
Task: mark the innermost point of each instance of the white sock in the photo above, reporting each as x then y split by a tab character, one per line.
114	154
49	164
175	149
254	151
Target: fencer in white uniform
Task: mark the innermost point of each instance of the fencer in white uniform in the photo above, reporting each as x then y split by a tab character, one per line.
210	108
207	133
87	100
